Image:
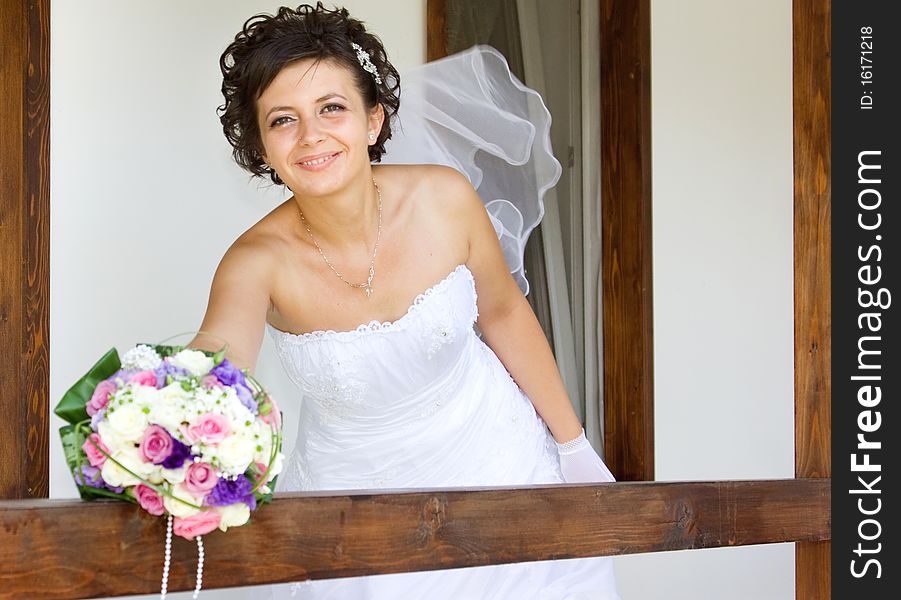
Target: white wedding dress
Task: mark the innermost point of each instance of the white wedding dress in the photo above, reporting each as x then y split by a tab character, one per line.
423	402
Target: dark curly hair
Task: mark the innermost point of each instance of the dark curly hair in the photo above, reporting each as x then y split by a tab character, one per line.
266	44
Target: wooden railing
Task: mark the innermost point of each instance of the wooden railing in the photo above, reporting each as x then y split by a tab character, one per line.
74	549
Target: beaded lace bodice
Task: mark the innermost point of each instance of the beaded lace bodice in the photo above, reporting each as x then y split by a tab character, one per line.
348	374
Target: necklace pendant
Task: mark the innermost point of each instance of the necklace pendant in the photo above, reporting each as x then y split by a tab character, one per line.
368	289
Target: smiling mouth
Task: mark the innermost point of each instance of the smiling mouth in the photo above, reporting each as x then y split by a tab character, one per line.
318	161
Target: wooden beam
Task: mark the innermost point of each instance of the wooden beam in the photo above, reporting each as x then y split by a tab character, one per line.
626	238
812	110
25	248
109	548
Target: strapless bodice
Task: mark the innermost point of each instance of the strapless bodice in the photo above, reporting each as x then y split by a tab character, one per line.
378	368
417	402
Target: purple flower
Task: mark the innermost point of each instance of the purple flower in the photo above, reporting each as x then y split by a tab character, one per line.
230	491
228	373
122	374
246	397
90	477
180	453
167	368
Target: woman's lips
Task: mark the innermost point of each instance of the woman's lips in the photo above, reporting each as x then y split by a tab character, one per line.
318	164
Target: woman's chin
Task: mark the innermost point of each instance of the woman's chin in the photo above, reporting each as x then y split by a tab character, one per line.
324	182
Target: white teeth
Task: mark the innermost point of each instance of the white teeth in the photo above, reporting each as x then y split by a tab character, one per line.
318	161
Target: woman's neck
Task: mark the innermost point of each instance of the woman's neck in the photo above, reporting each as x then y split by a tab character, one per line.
347	220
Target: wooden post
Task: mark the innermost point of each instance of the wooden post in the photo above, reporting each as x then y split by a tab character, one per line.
626	238
436	29
812	96
25	248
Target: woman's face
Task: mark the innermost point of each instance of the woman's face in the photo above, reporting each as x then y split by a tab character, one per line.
315	127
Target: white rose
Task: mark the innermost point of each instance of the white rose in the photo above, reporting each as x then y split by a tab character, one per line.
175	476
144	395
156	475
167	414
128	421
111	438
133	461
195	361
117	476
172	392
235	453
239	417
180	509
233	515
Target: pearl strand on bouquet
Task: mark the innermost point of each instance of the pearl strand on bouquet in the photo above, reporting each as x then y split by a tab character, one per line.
168	559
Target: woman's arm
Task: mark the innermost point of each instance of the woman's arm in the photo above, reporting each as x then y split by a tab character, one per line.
239	301
507	322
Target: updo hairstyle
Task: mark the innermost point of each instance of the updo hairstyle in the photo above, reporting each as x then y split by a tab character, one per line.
266	44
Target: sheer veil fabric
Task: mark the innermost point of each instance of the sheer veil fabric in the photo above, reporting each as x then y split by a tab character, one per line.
468	111
422	401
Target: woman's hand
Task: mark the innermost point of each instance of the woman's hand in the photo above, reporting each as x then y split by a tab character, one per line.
581	464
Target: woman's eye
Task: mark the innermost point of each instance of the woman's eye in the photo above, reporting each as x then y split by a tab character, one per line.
280	121
332	108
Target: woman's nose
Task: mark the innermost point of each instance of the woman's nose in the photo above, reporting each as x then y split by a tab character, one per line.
310	132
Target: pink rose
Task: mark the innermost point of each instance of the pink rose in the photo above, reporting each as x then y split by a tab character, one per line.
100	397
211	428
156	445
149	499
144	378
210	381
93	451
198	524
200	479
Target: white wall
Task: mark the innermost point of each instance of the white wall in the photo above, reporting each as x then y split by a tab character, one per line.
722	260
145	199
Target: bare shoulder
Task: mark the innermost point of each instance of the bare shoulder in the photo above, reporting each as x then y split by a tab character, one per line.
256	252
446	192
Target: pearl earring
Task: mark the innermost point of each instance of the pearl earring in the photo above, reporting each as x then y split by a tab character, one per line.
371	137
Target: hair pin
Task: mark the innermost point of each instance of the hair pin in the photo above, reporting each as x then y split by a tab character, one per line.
366	61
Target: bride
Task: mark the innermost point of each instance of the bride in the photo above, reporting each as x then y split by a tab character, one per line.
391	304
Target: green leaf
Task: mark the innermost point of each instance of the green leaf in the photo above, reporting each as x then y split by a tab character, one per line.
72	441
72	406
165	351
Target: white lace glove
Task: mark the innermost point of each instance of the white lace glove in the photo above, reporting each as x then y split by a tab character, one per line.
580	463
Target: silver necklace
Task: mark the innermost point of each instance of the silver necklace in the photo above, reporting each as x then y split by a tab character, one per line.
367	285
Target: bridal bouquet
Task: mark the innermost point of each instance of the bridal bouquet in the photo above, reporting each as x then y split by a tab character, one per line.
177	431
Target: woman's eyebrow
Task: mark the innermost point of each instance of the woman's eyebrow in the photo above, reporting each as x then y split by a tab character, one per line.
320	99
330	95
276	109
